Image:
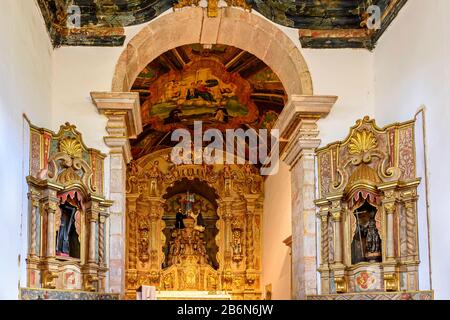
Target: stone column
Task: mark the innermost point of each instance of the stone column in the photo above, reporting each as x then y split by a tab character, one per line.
101	240
34	203
92	219
298	141
389	208
51	208
124	122
336	214
50	266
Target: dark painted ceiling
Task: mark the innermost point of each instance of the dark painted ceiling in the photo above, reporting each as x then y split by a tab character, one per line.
223	86
321	23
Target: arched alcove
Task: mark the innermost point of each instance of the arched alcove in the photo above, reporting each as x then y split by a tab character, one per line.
233	27
247	32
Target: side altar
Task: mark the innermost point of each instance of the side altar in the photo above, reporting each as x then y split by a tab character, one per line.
68	212
368	213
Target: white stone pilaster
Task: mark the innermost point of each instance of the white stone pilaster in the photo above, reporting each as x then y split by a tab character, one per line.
299	136
124	122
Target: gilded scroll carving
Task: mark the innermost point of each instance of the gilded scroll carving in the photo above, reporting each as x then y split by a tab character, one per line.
213	5
143	241
406	155
132	233
237	240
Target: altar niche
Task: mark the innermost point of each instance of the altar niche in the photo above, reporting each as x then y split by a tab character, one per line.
193	227
67	237
366	243
190	203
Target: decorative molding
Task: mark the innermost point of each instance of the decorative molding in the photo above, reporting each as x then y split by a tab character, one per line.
124	119
117	103
298	125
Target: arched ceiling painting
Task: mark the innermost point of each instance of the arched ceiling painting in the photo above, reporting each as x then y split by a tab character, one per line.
223	86
320	23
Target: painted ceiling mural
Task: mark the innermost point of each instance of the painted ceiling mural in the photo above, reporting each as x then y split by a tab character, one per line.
222	86
321	23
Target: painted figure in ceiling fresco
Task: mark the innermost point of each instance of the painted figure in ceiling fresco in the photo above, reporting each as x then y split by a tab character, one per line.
198	94
201	90
221	115
174	116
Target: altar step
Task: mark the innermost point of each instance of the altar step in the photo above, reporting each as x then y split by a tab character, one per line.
404	295
52	294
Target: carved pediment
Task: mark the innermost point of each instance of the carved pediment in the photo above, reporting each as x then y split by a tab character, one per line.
368	156
64	159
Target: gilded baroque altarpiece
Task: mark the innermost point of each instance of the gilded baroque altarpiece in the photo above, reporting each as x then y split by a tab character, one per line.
67	213
185	267
368	211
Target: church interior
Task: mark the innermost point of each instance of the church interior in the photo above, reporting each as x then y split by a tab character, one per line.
345	201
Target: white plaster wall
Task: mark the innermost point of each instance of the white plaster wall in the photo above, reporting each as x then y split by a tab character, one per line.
348	74
276	260
25	88
412	69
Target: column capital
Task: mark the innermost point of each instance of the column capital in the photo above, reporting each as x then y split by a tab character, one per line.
121	104
298	125
389	207
124	119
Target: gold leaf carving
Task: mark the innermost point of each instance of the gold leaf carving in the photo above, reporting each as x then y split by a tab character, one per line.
71	146
361	142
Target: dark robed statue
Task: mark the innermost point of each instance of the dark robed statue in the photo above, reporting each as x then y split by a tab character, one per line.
179	224
358	244
366	244
64	233
373	242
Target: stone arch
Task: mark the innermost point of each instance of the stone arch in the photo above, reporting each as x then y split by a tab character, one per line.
233	27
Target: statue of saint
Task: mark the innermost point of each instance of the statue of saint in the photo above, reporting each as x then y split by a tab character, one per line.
366	244
67	224
199	224
373	242
179	224
358	244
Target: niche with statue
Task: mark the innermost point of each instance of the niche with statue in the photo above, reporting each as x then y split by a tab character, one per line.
67	214
366	243
368	211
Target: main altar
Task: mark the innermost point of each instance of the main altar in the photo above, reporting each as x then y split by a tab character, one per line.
193	228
